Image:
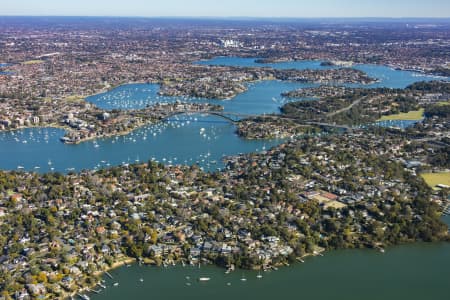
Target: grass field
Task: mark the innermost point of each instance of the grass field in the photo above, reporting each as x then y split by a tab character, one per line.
433	179
74	98
33	62
409	116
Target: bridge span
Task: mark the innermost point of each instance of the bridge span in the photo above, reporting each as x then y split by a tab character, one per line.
234	117
229	116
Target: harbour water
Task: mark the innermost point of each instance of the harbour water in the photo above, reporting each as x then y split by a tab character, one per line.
414	272
177	141
166	143
417	271
387	77
397	123
3	65
251	62
261	97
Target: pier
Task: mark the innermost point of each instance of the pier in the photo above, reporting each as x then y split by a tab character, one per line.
446	210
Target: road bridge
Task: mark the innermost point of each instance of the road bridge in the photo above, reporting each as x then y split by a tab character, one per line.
236	117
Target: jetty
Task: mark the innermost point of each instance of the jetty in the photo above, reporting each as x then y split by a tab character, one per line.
94	291
446	210
102	285
84	296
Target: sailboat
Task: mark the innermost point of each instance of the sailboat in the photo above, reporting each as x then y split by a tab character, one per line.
259	276
204	279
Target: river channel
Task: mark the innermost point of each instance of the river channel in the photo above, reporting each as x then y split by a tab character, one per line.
199	139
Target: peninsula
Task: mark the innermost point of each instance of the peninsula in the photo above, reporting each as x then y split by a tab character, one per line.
338	178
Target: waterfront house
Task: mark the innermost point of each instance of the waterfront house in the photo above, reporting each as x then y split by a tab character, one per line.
194	252
156	250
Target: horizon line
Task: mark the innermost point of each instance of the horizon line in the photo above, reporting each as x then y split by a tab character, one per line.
232	17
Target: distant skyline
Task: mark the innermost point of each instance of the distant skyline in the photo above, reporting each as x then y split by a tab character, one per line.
230	8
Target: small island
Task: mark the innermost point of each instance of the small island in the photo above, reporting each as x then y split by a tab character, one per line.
336	63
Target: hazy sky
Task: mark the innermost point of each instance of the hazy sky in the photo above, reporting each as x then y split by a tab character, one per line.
227	8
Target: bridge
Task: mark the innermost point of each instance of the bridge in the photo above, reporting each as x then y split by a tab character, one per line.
234	117
229	116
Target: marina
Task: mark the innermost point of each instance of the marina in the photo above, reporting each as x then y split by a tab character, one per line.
342	266
183	139
224	157
366	270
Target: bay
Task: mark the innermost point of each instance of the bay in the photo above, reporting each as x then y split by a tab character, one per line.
386	76
165	142
177	141
251	62
414	272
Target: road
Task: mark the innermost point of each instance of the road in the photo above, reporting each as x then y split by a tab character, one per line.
356	102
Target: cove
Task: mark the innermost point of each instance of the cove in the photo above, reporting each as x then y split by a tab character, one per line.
177	141
414	272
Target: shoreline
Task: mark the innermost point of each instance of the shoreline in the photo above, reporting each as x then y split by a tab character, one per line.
320	252
112	135
67	130
105	90
127	260
50	125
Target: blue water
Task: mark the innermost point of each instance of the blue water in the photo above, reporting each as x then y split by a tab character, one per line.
261	97
175	142
171	144
402	124
391	78
387	76
446	220
250	62
5	72
131	96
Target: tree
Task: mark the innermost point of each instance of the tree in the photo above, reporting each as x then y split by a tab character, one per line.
135	251
42	277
